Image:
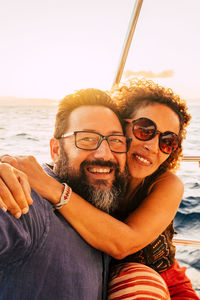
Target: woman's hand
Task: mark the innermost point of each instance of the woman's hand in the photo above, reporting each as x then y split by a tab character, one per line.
14	190
26	164
39	180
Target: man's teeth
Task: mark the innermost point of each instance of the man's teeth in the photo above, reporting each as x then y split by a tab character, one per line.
143	159
95	170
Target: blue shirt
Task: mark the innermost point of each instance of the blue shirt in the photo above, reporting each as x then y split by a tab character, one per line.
42	257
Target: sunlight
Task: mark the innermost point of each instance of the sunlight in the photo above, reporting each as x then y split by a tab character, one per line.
49	49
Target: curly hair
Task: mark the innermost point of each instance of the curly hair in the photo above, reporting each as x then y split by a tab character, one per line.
135	93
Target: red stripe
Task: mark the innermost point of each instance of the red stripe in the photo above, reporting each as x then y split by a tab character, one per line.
151	281
134	269
124	286
138	293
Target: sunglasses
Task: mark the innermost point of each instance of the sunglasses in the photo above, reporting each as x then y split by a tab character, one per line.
145	130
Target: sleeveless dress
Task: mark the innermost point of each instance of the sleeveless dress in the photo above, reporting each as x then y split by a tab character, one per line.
158	255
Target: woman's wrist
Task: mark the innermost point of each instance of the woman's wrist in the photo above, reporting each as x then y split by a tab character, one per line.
57	189
50	189
65	197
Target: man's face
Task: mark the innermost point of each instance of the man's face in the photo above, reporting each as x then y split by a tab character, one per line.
98	168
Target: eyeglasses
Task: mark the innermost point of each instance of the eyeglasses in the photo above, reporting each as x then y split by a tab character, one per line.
87	140
145	129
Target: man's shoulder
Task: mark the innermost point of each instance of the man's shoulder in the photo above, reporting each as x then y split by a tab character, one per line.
20	237
44	204
48	167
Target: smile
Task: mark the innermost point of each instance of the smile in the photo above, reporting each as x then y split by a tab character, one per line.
142	159
99	170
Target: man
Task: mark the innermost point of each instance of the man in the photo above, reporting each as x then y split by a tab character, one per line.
41	255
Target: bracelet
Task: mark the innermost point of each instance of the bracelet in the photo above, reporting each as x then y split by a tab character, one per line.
64	199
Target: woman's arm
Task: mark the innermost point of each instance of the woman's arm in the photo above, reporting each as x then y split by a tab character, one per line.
100	229
142	226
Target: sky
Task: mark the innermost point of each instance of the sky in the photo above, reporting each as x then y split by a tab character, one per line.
50	48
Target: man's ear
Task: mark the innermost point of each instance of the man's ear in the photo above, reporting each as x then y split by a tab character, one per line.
54	149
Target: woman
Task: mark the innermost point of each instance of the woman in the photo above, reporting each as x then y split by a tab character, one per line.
155	118
151	112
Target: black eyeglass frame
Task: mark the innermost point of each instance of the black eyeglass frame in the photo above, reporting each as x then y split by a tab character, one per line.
102	137
161	134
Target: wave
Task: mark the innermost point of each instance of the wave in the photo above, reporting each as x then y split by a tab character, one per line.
196	186
187	225
26	136
190	204
191	217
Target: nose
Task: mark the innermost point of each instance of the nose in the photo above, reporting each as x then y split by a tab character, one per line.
152	145
104	151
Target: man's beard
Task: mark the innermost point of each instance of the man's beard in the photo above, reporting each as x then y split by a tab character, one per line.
104	198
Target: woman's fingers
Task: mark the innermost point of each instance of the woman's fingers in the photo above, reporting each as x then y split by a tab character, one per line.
11	160
14	190
8	201
29	166
26	188
2	205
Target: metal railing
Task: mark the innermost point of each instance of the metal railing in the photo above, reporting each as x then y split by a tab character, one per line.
192	159
185	242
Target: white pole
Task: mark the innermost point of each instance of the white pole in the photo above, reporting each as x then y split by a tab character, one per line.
128	40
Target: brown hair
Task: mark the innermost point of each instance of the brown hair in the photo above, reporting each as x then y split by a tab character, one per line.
139	93
82	97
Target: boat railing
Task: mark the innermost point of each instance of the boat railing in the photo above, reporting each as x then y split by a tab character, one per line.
185	242
192	159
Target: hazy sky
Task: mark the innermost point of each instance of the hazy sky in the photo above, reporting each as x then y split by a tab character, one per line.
49	48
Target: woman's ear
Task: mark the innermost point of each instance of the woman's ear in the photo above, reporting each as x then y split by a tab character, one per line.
54	149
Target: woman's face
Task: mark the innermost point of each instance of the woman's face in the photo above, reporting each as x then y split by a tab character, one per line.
145	157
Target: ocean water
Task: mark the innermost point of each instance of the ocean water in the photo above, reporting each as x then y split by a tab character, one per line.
27	129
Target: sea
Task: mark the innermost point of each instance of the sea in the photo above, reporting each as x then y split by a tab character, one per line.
26	127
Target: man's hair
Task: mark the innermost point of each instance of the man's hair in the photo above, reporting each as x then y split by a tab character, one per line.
84	97
135	94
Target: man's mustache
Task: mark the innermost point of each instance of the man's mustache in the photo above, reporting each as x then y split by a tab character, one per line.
100	162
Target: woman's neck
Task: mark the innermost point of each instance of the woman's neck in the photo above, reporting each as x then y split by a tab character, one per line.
133	184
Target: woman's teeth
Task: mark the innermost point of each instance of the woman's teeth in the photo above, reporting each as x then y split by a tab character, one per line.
142	159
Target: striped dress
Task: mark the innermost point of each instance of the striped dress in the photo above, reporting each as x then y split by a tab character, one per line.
137	281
